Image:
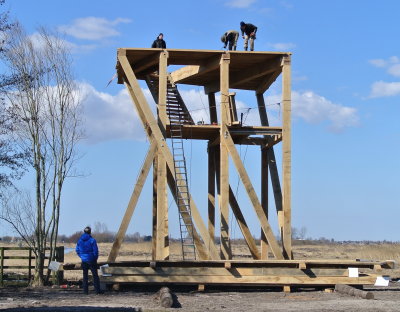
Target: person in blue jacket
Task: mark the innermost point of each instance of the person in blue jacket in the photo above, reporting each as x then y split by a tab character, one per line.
87	250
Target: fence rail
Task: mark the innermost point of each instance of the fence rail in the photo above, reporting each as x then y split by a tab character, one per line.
29	266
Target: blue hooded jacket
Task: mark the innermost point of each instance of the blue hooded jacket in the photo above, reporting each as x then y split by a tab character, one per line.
86	248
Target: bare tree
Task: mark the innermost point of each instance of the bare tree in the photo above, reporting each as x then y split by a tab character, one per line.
44	101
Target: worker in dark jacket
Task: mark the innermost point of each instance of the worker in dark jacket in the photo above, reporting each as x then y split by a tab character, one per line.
159	42
87	250
230	38
250	30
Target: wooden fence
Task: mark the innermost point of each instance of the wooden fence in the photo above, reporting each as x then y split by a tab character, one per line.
8	272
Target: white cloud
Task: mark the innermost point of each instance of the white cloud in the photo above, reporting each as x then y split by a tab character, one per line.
381	89
110	117
314	109
240	4
392	65
93	28
282	46
39	43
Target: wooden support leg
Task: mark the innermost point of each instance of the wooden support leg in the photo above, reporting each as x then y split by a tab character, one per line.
226	252
154	211
286	159
211	191
264	199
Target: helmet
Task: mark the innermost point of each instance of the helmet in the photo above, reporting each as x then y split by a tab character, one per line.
242	24
88	230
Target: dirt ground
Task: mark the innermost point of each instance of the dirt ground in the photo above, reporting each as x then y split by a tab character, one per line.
130	300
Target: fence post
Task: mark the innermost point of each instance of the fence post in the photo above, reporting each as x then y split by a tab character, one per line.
1	265
30	265
60	258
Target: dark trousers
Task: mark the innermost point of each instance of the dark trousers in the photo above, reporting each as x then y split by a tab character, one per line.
92	266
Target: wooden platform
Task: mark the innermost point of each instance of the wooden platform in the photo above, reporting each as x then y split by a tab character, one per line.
304	273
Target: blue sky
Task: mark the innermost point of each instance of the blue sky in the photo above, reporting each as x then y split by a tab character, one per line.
346	92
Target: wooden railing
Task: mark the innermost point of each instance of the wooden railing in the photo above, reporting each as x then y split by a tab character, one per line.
8	253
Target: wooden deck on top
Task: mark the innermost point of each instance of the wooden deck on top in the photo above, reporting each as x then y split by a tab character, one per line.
247	70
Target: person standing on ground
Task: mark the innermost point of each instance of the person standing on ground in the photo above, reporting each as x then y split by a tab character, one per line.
250	31
87	250
230	38
159	42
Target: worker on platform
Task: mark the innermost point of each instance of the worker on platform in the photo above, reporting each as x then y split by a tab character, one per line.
159	42
230	38
250	30
87	250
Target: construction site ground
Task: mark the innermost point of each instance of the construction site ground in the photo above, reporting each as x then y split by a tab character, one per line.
72	299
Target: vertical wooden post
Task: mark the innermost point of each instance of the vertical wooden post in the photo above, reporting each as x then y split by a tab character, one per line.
30	265
154	210
162	248
264	199
212	169
224	159
60	258
286	158
211	191
1	266
213	108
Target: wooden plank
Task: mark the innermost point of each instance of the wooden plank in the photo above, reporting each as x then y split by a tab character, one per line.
226	251
243	226
245	280
229	269
264	199
150	122
132	203
286	159
227	140
273	169
162	232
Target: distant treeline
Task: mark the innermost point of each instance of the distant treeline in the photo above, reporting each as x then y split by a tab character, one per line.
108	237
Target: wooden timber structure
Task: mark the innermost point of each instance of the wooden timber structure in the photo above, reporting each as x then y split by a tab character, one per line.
217	71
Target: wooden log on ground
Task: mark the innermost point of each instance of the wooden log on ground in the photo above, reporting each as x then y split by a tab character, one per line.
348	290
166	299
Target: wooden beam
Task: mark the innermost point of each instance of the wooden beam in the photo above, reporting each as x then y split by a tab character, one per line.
226	251
132	203
154	210
162	233
243	226
227	140
287	159
264	199
189	71
213	108
273	168
155	132
211	191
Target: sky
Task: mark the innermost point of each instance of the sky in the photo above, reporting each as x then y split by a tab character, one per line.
345	100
